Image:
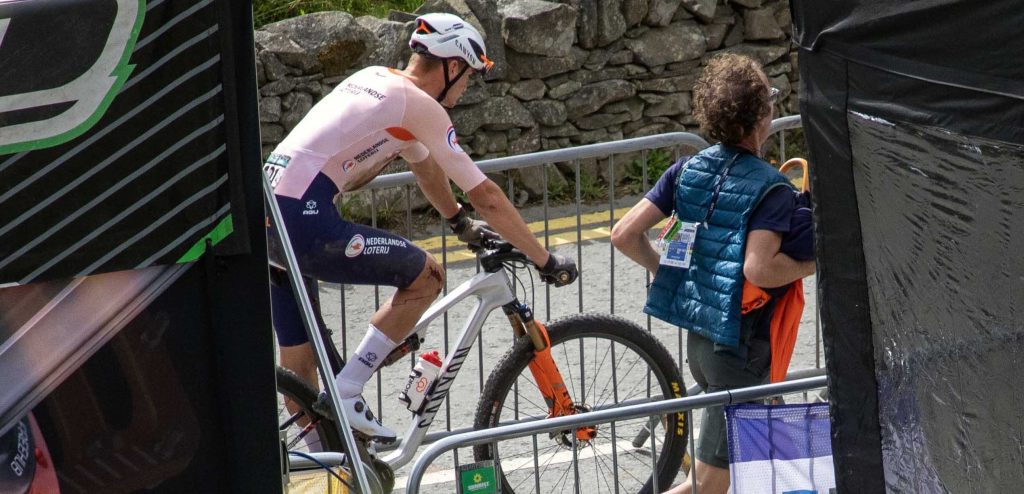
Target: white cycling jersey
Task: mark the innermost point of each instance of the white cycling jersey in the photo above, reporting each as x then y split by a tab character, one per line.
365	122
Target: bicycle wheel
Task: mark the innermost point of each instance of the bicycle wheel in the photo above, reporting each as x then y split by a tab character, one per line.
605	361
302	428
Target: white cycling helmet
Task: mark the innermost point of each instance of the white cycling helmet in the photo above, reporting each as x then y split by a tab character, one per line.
447	36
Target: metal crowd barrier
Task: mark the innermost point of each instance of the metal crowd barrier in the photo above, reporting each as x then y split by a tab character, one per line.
649	409
575	155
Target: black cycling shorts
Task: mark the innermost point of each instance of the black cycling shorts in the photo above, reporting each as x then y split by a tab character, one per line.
331	249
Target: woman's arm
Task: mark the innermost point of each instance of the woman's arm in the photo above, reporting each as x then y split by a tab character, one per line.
766	267
630	234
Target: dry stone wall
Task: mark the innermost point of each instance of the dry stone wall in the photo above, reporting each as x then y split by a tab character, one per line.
568	72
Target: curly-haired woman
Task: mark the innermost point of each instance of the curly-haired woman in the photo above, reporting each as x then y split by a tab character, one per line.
733	214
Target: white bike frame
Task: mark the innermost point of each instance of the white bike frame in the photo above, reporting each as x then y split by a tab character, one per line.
492	290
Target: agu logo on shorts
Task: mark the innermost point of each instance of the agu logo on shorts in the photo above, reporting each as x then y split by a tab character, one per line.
453	140
347	165
355	246
78	55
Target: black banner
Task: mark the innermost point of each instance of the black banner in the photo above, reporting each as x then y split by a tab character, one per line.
914	120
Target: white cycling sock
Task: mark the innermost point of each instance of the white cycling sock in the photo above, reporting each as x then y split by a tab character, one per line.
364	362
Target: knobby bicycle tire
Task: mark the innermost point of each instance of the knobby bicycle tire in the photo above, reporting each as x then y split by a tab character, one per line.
303	395
528	463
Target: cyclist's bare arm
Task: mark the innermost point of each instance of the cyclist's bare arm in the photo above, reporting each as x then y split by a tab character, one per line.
435	186
488	199
492	204
432	127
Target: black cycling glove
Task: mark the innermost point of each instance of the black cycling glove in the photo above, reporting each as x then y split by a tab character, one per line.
469	230
559	270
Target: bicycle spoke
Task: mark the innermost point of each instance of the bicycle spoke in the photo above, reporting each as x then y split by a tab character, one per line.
627	472
601	473
599	462
571	381
597	370
516	487
646	390
547	464
617	479
621	376
505	456
562	479
523	398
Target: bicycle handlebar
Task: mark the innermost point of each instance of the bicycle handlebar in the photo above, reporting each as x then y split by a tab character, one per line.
496	253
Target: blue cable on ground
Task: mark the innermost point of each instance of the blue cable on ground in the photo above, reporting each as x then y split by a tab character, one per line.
322	465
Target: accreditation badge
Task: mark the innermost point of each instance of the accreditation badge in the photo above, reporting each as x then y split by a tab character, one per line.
677	244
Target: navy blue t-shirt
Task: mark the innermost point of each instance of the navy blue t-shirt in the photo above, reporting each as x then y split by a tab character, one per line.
782	211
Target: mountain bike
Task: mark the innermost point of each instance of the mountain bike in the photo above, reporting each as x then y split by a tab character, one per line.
573	365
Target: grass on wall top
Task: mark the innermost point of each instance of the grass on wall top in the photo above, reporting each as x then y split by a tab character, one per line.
268	11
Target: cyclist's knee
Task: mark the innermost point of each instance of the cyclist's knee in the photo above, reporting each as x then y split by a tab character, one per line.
431	278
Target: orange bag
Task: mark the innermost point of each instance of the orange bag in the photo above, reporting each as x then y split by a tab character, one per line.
785	322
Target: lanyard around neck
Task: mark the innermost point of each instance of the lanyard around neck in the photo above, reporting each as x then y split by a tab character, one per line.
718	188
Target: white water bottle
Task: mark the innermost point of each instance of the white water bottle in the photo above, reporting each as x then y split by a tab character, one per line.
421	379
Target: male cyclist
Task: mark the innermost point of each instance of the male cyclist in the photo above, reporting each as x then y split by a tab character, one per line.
344	142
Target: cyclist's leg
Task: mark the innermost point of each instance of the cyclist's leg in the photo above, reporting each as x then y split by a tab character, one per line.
400	313
375	257
357	254
296	353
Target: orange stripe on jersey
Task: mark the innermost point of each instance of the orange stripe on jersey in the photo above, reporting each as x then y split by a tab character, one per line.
401	134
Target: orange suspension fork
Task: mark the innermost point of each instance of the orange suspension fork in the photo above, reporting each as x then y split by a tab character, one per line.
547	376
545	373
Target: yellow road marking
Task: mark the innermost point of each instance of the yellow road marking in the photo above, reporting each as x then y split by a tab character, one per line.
537	227
456	250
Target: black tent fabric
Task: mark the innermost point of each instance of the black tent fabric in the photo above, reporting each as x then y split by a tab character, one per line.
914	116
118	141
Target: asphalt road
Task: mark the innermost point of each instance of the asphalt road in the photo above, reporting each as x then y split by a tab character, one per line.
610	283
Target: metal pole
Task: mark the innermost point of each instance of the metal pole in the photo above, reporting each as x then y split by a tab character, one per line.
598	150
611	224
308	318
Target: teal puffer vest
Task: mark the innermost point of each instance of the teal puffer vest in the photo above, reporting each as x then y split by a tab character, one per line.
707	297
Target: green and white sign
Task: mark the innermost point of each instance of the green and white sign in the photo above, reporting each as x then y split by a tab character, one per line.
477	478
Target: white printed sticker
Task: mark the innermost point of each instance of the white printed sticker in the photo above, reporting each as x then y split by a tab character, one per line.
679	251
274	168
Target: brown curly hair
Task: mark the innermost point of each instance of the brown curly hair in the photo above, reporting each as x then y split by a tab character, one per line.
730	98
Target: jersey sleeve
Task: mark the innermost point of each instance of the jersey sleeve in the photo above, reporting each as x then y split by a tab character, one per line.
429	123
415	153
775	212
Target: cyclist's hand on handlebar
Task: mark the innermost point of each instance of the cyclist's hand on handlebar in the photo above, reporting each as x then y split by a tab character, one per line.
469	230
559	270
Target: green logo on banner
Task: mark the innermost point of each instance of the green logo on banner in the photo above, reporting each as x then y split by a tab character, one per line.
478	478
64	97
